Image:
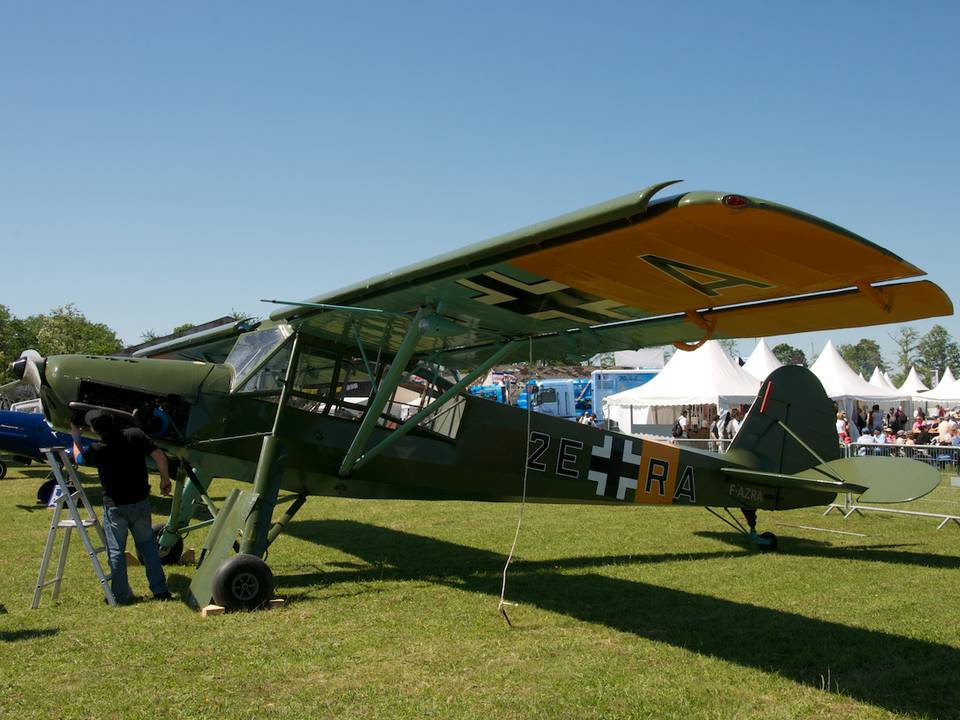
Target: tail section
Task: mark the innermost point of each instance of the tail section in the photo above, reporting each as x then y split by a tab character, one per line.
789	441
791	426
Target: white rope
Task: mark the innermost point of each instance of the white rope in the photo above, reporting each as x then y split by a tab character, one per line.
523	502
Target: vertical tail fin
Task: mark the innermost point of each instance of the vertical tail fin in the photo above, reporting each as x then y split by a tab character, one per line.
793	396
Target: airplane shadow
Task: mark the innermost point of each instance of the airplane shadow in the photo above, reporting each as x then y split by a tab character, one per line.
15	635
901	674
805	547
37	472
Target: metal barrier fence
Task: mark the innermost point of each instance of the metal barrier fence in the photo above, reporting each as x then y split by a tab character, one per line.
942	457
717	446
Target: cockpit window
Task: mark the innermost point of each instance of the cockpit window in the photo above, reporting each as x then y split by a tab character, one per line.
251	349
269	378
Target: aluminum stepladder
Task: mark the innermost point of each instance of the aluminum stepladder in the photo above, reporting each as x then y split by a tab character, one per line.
60	462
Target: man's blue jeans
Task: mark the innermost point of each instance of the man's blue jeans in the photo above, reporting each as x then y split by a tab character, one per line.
135	518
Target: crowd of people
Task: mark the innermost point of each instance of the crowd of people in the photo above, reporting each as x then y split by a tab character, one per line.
894	427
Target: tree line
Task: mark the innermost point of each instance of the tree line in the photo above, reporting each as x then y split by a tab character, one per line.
63	330
932	352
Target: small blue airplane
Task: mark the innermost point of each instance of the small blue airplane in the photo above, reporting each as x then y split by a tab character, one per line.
22	434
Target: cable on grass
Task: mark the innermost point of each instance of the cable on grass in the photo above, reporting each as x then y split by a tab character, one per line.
523	502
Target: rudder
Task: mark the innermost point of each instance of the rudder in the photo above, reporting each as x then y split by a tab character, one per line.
794	396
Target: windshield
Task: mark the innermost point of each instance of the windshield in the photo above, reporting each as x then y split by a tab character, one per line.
251	349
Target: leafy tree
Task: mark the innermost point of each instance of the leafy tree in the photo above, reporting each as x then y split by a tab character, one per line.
15	337
906	339
65	330
937	350
8	351
61	331
729	347
863	357
789	355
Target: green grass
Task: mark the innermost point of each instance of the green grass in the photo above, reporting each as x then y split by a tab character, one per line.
392	612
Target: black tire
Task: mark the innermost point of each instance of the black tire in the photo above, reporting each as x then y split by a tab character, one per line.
243	582
45	491
770	545
168	556
3	470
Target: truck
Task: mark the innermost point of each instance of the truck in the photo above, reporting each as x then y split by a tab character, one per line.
571	397
561	397
610	382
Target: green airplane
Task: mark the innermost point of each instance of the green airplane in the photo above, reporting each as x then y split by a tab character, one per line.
361	393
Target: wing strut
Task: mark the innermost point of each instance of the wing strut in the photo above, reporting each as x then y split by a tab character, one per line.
384	391
823	463
354	461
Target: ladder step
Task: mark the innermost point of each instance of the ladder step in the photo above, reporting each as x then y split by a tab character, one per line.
51	582
72	524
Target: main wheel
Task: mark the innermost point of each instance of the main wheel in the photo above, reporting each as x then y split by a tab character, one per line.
771	542
45	491
244	582
3	470
170	555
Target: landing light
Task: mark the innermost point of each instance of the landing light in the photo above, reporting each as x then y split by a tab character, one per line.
735	201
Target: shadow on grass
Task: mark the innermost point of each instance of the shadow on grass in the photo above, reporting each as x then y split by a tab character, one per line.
898	673
159	505
36	472
15	635
885	553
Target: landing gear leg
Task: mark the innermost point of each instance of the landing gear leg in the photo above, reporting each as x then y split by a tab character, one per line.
765	542
169	537
244	581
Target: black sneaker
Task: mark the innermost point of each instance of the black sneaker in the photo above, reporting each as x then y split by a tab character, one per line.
129	601
163	596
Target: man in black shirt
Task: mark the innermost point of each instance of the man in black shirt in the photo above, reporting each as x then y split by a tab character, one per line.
120	461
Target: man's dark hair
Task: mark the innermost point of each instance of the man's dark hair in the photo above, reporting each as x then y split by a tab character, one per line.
100	421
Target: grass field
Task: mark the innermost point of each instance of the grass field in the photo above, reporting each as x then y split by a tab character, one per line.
622	613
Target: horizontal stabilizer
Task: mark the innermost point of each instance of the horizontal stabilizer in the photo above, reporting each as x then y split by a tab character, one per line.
874	479
799	482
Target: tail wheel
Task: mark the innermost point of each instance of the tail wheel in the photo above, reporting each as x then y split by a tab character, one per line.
3	470
168	555
244	582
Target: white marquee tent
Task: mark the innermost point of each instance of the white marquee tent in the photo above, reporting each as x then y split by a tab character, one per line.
762	361
947	392
879	379
846	387
946	379
913	384
706	376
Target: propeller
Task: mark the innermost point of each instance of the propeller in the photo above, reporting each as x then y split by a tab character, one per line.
28	370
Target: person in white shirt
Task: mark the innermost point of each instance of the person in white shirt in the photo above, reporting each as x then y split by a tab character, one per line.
733	424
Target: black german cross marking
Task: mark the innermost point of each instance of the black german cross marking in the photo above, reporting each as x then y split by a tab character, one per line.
609	468
536	299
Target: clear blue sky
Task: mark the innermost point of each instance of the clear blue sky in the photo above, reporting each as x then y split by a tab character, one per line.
163	163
